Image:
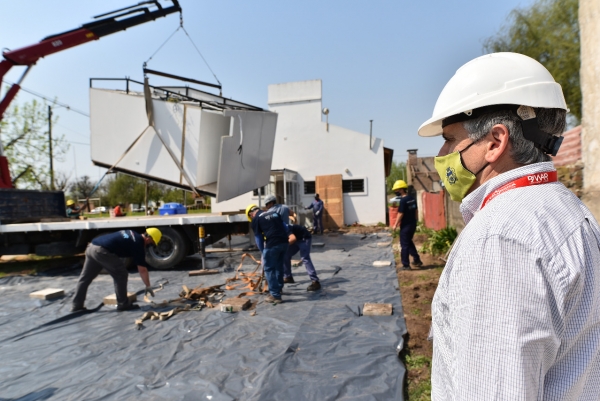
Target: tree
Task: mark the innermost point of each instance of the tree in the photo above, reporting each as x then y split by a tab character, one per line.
398	172
548	31
25	138
82	189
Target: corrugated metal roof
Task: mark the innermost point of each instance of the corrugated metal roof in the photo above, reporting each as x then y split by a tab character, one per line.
570	150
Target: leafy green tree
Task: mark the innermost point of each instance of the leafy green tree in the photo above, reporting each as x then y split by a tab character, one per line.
547	31
398	172
24	130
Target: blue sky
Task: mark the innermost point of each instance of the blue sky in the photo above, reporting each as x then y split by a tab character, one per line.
380	60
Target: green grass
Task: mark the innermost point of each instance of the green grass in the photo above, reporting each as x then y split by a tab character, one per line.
417	361
420	391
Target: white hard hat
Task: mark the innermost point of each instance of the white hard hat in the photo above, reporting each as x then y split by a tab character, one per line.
495	79
270	198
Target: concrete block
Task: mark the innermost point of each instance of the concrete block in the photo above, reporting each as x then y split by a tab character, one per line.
370	309
235	304
382	263
112	298
48	293
203	272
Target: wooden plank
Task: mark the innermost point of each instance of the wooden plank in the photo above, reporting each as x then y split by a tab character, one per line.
48	293
225	250
203	272
112	298
371	309
232	213
382	263
329	188
235	304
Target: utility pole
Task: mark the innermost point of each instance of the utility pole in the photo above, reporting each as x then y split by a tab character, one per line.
50	147
371	135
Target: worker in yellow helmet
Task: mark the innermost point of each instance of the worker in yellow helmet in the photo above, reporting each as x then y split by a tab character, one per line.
73	211
408	215
108	252
272	239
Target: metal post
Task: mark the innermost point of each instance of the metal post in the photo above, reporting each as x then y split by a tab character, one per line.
371	135
146	198
202	236
50	147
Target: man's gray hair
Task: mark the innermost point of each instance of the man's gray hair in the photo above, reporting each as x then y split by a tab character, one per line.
551	121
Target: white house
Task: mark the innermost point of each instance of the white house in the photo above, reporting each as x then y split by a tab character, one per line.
306	147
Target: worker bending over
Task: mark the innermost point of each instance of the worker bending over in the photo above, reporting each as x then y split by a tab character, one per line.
73	211
317	208
300	240
272	240
108	252
408	215
516	314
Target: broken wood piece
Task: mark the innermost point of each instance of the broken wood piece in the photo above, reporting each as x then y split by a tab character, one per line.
203	272
48	293
370	309
112	298
296	263
382	263
235	304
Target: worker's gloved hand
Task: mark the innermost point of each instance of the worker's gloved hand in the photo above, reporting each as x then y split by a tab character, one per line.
149	291
316	214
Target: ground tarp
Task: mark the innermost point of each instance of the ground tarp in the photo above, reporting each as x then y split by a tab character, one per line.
314	346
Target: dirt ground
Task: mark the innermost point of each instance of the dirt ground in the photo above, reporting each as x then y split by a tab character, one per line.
417	287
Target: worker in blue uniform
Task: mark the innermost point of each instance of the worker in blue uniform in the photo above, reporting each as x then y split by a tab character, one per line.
408	214
272	240
317	208
282	210
108	252
300	240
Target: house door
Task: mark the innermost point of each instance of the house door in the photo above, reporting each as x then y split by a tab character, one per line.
329	188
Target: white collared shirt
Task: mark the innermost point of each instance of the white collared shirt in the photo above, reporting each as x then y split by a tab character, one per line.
516	315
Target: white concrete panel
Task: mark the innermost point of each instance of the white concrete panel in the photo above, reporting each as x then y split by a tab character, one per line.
243	169
193	116
213	127
295	92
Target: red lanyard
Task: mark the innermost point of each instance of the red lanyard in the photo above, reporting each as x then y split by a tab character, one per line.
526	181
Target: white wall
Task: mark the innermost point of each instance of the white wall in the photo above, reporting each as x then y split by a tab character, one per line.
303	144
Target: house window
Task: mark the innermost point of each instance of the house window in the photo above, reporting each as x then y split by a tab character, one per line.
309	187
353	186
262	191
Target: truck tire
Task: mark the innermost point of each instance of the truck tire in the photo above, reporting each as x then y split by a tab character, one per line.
171	249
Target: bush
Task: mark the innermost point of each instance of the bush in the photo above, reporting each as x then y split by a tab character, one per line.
438	242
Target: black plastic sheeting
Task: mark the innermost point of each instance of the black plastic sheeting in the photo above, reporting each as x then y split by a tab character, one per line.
314	346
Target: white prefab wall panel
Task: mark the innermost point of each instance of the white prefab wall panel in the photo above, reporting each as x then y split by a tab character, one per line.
246	155
295	92
206	143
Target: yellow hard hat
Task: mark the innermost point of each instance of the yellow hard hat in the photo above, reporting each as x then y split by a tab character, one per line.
400	184
70	202
155	234
249	209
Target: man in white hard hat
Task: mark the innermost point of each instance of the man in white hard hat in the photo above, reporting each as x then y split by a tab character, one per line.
516	315
282	210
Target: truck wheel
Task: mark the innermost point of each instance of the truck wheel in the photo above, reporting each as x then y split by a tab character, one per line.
171	249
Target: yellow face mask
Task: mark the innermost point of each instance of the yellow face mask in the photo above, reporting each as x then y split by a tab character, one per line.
457	179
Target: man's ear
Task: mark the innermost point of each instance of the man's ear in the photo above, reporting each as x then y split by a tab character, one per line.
498	143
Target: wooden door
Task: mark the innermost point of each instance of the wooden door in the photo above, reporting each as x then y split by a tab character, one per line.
329	188
433	210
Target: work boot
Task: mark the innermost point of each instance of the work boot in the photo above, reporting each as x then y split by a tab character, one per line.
417	264
288	280
127	306
406	268
77	308
314	286
272	300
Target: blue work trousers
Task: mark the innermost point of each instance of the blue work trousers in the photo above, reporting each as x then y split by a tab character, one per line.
318	223
304	247
408	246
273	262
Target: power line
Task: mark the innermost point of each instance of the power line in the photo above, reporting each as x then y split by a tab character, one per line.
66	106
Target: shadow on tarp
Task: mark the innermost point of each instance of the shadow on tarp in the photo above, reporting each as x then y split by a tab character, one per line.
313	346
34	396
